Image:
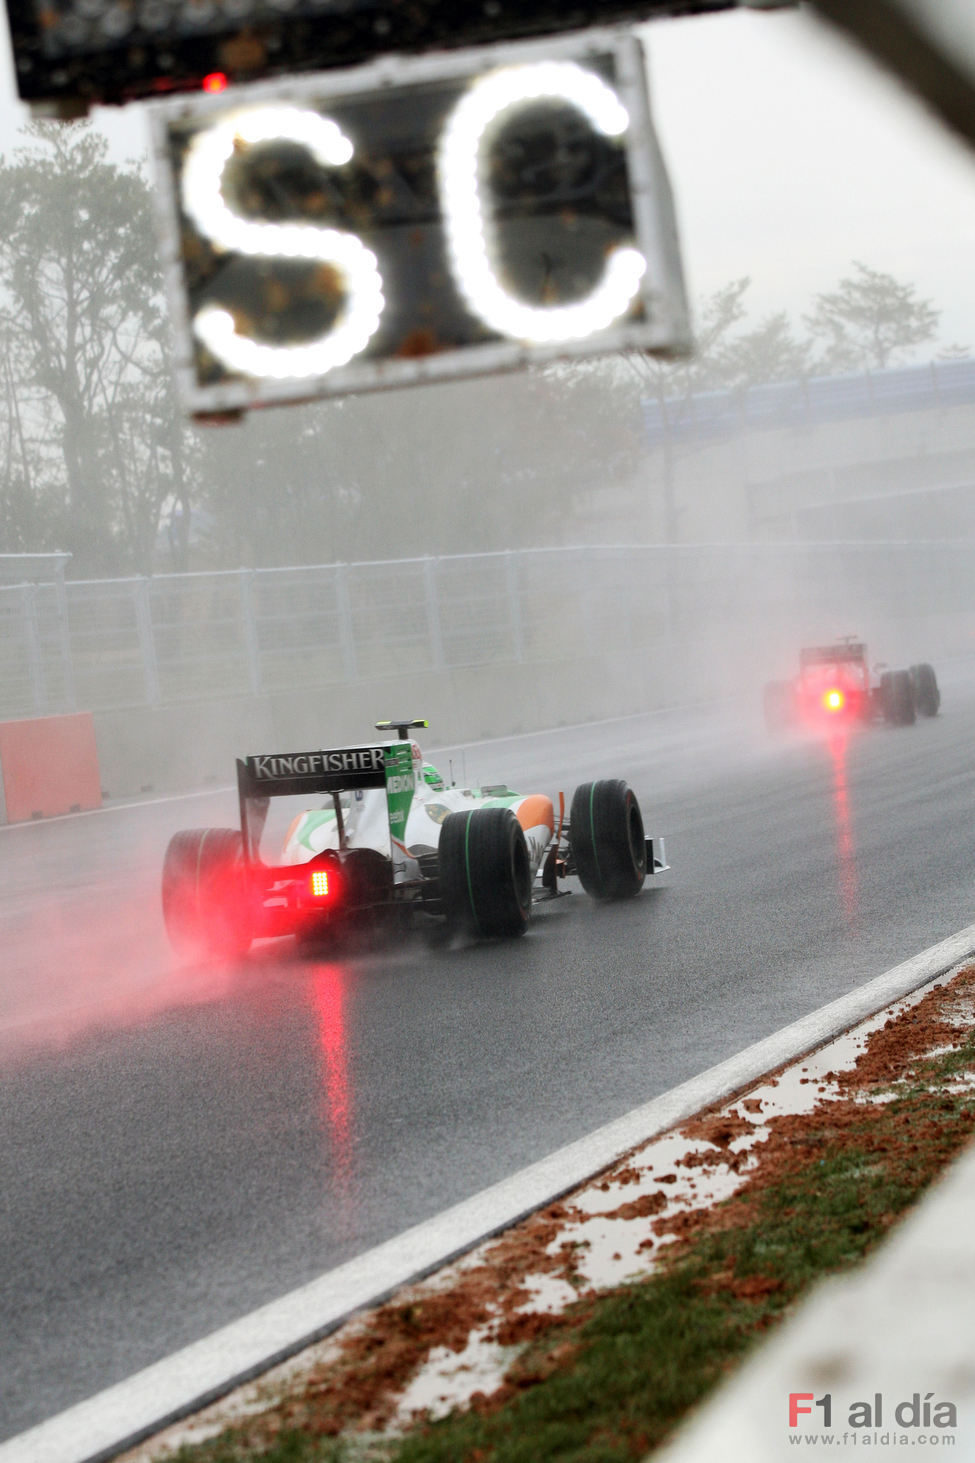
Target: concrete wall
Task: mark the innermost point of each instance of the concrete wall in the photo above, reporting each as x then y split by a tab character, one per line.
180	748
48	766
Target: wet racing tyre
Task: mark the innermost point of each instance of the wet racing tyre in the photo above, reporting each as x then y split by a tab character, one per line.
897	698
204	903
607	839
485	872
927	693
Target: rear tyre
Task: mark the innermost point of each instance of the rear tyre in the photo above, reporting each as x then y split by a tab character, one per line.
897	698
927	693
204	902
485	873
607	839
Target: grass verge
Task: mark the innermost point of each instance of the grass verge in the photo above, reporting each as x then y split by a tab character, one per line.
610	1377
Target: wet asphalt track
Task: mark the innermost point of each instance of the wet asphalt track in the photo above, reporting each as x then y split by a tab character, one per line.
179	1145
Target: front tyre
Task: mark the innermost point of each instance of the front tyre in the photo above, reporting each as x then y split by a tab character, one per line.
204	901
485	872
897	698
607	839
926	691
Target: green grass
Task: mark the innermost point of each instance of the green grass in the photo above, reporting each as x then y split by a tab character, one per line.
650	1351
946	1067
291	1446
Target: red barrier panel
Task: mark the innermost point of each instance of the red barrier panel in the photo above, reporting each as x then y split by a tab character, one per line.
49	765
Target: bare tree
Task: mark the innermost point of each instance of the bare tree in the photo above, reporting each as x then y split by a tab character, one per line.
869	322
770	352
81	308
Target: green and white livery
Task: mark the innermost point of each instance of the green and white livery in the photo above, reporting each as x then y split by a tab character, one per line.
350	834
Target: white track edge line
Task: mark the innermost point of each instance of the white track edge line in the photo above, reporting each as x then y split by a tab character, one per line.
121	1416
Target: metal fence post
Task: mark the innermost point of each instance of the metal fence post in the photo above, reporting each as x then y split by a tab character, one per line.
346	624
147	643
251	642
588	599
433	612
512	580
35	657
64	637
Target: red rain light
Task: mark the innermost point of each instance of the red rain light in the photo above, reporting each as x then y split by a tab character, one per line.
214	81
834	700
319	884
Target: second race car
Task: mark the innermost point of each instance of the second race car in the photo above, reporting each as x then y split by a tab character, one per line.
336	837
835	685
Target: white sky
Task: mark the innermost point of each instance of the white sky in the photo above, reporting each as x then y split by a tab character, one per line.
790	154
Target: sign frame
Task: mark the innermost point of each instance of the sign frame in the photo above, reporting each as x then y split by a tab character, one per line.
665	330
273	42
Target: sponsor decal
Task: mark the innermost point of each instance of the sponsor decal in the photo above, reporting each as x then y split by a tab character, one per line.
400	784
314	764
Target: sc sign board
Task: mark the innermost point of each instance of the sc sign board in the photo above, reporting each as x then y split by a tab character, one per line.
416	220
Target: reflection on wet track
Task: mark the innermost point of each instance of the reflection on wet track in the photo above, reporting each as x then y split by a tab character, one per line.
181	1144
838	743
328	986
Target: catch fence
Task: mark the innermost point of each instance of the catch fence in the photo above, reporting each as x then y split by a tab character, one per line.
703	612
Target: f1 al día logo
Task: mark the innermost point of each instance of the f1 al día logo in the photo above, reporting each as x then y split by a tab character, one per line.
881	1421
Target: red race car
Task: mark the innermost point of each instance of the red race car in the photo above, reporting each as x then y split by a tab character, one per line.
835	685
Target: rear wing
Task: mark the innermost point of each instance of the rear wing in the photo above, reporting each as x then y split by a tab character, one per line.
328	770
846	652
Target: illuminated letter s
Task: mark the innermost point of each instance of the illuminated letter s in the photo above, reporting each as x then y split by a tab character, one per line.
202	196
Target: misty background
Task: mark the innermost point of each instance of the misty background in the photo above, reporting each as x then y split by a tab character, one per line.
588	539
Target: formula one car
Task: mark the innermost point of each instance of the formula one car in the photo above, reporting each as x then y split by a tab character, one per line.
835	685
352	835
